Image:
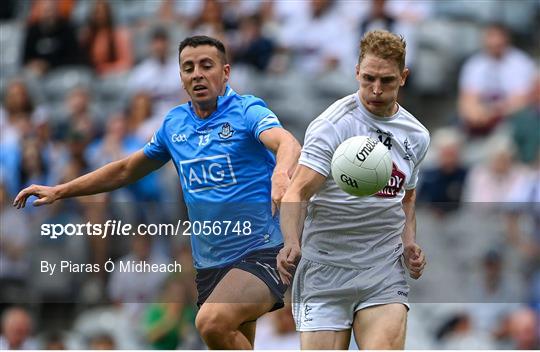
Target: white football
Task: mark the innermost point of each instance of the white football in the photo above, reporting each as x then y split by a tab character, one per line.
361	166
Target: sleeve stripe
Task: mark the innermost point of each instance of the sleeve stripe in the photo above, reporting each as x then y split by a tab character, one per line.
268	119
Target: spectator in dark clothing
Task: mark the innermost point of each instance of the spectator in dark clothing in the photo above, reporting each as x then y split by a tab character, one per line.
442	185
378	18
50	42
79	118
252	47
107	45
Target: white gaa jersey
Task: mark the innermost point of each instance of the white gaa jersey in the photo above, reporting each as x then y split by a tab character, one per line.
349	231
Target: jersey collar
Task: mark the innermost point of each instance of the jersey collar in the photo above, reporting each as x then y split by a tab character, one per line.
225	98
221	101
228	92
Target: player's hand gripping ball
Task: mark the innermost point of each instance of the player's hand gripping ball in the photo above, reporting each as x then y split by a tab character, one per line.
361	166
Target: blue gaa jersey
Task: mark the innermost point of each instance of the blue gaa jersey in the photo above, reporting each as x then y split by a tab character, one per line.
225	172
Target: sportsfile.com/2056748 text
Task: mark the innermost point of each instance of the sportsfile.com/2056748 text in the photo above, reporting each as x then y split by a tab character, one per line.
120	228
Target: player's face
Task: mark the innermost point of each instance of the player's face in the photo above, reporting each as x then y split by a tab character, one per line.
203	74
379	80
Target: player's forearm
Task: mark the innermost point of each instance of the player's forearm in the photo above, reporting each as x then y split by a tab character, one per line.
107	178
409	232
305	183
292	215
292	222
287	156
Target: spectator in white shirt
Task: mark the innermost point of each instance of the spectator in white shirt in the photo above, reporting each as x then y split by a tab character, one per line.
317	44
158	75
494	84
488	181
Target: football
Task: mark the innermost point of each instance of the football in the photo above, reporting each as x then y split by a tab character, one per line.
361	166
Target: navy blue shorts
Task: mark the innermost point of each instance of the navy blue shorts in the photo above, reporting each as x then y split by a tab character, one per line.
261	263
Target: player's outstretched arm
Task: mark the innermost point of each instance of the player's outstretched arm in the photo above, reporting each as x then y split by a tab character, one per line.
304	184
415	260
107	178
287	150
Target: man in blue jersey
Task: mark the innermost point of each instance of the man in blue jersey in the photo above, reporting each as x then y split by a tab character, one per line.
234	161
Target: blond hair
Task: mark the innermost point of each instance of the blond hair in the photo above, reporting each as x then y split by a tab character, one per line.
384	45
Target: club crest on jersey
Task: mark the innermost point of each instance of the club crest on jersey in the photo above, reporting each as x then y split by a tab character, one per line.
408	151
395	184
226	131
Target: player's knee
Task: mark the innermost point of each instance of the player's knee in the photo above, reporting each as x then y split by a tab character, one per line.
383	345
211	324
387	341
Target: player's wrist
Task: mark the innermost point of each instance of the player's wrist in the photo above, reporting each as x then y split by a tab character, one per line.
280	173
291	243
409	243
59	191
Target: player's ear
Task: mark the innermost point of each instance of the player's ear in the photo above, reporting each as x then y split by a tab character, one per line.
404	76
226	72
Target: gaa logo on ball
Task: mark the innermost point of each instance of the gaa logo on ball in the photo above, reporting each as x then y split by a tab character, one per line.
361	166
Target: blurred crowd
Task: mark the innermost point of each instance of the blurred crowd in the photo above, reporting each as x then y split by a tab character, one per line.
84	83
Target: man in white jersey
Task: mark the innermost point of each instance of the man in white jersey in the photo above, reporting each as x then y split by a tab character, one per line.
351	276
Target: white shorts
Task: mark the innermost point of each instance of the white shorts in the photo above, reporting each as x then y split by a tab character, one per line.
326	297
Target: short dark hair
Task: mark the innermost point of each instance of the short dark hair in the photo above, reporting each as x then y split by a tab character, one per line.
198	40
